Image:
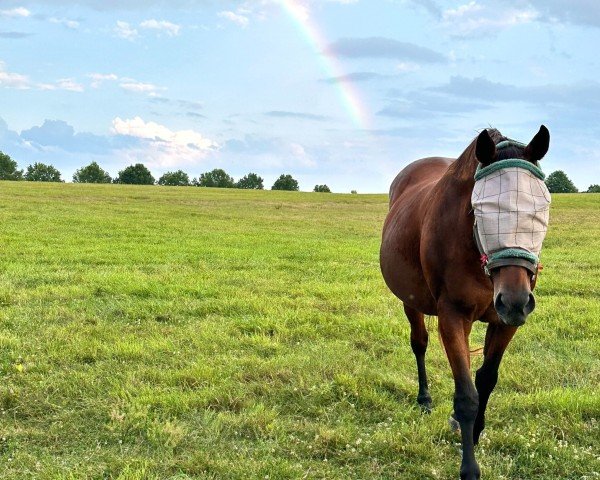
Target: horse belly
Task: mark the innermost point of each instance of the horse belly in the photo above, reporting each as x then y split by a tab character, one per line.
400	261
400	256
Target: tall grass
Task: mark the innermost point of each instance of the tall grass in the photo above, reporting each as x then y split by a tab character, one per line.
175	333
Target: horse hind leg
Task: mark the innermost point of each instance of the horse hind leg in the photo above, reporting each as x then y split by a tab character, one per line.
418	341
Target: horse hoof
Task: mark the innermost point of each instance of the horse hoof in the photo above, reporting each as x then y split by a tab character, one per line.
470	477
424	403
471	474
453	423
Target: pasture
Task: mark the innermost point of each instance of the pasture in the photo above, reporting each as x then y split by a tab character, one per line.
175	333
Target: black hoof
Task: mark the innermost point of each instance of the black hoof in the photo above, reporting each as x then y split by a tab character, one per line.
453	422
477	432
472	473
425	403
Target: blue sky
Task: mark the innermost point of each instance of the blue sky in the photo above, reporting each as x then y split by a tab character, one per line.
339	92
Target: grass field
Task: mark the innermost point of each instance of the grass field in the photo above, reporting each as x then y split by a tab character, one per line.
175	333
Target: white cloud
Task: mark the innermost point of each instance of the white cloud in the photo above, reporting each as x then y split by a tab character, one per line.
164	147
301	156
13	80
299	10
63	84
578	12
15	12
169	28
99	78
69	84
130	32
139	87
405	67
72	24
126	31
23	82
236	18
128	84
476	19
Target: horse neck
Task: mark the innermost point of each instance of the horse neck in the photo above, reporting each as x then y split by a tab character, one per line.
464	168
457	183
456	186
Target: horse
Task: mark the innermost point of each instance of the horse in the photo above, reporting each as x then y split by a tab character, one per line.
431	259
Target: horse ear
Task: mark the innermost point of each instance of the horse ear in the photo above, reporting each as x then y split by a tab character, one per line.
485	151
538	147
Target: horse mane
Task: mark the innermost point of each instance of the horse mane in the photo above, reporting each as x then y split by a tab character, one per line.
465	165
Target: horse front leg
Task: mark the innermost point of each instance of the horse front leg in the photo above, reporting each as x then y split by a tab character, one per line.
454	330
497	338
418	342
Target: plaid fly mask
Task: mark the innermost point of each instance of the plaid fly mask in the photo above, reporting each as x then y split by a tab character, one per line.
511	204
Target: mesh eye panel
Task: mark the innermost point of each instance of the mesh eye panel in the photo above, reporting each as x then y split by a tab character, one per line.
511	207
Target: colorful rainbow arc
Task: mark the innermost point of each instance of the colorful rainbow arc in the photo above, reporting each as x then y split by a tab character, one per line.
348	93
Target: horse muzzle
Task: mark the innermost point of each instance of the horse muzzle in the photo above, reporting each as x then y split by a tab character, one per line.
513	298
513	307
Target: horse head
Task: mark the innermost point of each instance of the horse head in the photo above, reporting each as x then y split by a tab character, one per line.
511	206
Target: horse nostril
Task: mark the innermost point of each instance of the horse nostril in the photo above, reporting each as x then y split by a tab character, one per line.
530	307
499	305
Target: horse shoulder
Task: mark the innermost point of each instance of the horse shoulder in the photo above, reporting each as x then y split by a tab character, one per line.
448	252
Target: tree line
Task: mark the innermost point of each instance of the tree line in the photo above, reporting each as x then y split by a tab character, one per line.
139	174
558	182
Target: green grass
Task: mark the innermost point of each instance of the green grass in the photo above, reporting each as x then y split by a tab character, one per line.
176	333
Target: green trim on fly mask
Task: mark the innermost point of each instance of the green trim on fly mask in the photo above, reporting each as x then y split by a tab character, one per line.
514	253
508	163
508	143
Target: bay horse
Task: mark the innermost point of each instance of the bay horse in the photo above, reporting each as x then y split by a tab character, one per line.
430	260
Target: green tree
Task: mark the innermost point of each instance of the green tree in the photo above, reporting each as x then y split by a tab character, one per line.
8	168
594	189
250	182
285	182
136	174
175	179
558	182
216	178
321	189
91	174
40	172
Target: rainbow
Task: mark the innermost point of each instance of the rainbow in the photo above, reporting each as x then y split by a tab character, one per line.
349	94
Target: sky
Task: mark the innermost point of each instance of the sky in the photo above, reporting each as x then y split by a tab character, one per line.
338	92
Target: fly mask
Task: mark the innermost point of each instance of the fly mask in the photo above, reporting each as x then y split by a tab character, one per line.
511	204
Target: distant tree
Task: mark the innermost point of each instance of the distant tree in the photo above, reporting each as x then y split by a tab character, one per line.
136	174
558	182
216	178
353	192
40	172
594	189
91	174
321	189
175	179
250	182
8	168
285	182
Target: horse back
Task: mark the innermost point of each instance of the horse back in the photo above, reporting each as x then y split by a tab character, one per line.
416	175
